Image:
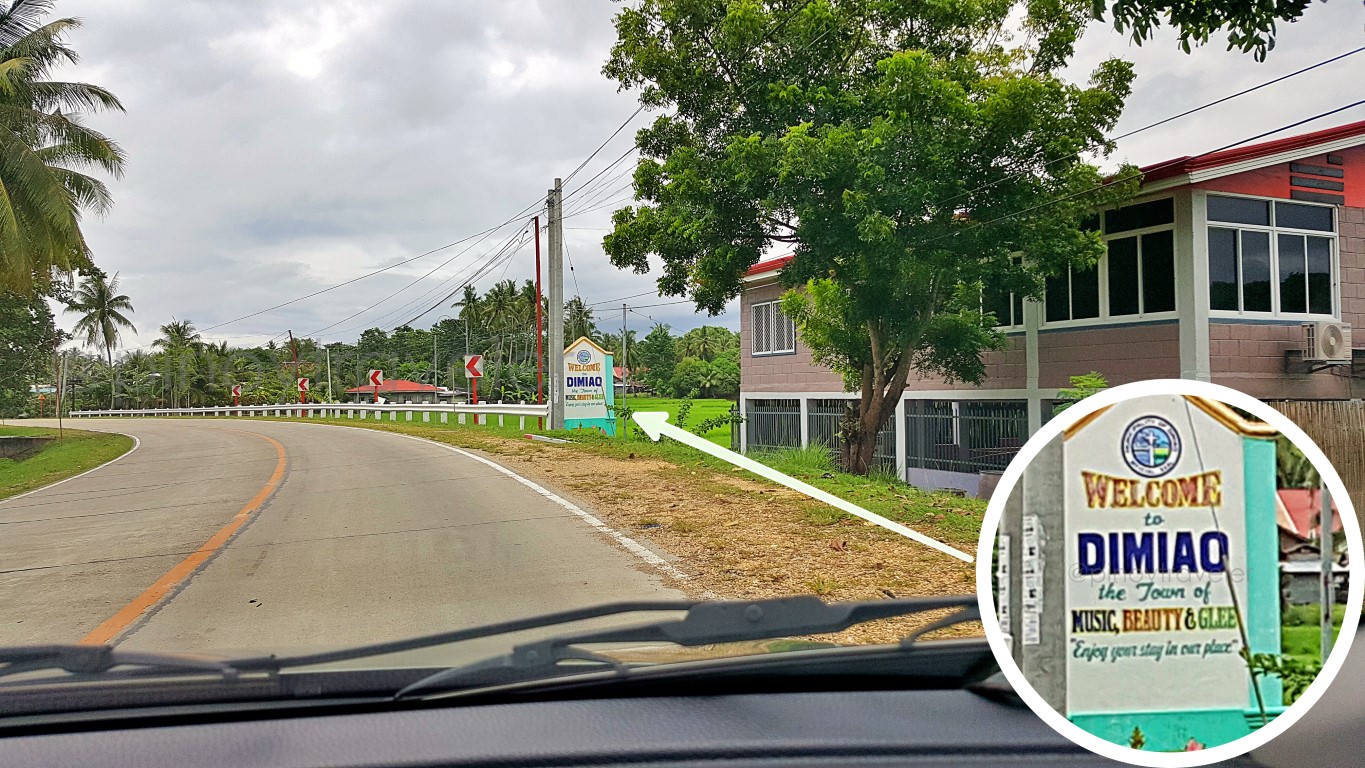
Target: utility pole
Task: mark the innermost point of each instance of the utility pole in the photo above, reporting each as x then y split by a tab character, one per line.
329	374
540	335
435	372
295	350
556	308
625	380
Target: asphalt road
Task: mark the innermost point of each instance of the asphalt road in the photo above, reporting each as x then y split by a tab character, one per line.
238	536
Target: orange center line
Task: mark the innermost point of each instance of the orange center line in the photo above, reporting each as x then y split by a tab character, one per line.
131	612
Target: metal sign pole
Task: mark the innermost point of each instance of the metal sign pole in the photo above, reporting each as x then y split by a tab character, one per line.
1328	592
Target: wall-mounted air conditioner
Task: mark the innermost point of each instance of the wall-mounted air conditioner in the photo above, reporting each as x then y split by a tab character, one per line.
1327	342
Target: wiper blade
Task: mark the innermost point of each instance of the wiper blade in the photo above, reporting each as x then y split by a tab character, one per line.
706	623
100	659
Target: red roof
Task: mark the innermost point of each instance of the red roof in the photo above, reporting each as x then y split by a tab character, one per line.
396	385
771	265
1182	165
1304	505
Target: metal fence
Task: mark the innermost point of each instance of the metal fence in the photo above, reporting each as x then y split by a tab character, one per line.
964	436
772	424
483	413
822	419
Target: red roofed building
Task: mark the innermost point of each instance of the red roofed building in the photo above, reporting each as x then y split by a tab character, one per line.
1228	267
397	391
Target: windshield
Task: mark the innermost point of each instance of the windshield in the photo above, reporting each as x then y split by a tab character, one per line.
339	325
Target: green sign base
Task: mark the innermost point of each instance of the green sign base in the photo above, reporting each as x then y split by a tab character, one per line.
1169	731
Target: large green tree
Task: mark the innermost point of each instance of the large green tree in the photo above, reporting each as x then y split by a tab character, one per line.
46	151
103	314
1250	26
28	338
903	150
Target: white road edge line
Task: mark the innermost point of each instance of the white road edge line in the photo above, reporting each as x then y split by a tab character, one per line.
631	545
136	444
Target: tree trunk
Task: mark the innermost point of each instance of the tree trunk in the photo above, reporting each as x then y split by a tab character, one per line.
113	385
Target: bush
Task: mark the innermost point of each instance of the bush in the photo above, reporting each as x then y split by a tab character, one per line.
814	459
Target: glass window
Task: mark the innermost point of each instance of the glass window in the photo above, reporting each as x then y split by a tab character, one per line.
1223	269
1255	271
1278	269
1293	274
1320	275
772	331
1123	276
1158	272
1152	214
1058	298
1085	293
1296	216
998	303
1239	210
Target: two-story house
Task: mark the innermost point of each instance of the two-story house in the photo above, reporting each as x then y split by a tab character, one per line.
1244	267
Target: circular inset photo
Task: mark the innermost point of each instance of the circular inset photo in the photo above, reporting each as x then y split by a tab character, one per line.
1168	573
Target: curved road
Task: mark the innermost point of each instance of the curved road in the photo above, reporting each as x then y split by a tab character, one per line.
235	536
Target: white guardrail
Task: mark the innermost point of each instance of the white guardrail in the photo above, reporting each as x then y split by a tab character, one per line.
481	413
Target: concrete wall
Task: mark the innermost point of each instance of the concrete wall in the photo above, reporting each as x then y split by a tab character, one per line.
1123	353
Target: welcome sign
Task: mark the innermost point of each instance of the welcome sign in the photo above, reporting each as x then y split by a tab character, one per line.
1160	493
587	386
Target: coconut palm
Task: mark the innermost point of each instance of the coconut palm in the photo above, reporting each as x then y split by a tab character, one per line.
45	150
578	320
101	308
178	336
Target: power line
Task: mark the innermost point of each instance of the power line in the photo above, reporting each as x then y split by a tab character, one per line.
623	298
1149	126
371	274
493	255
619	128
1111	182
400	290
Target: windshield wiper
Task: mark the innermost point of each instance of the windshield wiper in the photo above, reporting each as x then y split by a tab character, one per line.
706	623
100	659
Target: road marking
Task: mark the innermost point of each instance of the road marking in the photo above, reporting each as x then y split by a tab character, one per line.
136	444
630	545
134	610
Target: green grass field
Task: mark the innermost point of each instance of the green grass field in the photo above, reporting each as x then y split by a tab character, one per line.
1300	636
75	453
702	409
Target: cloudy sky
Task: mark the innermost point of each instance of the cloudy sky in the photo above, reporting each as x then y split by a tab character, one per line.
278	148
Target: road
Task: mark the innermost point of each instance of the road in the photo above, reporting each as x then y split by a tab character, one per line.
239	536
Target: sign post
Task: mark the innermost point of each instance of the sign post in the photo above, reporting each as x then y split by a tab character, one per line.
1169	547
376	378
236	395
473	371
587	387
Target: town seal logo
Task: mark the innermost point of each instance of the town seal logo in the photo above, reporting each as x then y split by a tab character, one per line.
584	356
1151	446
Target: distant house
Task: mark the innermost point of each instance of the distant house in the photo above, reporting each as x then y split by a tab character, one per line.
1298	512
399	391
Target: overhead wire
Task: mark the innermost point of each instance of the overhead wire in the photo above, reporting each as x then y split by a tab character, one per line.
404	288
1111	182
1149	126
371	274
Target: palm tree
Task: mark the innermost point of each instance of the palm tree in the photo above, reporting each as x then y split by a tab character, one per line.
578	320
178	336
101	308
45	149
